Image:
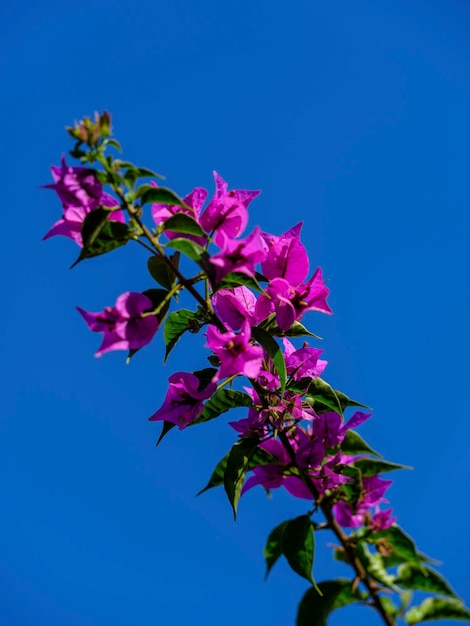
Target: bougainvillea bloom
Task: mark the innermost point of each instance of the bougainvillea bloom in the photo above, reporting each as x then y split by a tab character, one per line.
238	255
373	490
227	211
304	362
183	402
123	325
195	201
234	306
286	256
235	352
80	192
290	303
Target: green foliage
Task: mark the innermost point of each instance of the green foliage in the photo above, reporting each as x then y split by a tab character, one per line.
437	608
274	351
237	279
323	398
316	606
296	541
374	565
296	330
159	195
401	546
176	325
411	576
354	444
189	248
100	235
160	270
184	224
222	401
372	467
237	466
259	457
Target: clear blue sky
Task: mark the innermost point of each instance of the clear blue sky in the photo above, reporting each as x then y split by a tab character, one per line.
352	116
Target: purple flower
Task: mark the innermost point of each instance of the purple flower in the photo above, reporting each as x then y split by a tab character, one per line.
290	303
235	352
227	211
195	200
123	325
240	255
80	192
304	362
234	306
183	402
373	490
286	257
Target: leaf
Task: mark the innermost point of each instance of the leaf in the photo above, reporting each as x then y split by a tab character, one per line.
160	271
402	545
237	279
324	398
374	565
100	235
353	489
159	195
182	223
296	330
166	427
159	298
274	351
237	466
176	325
273	548
372	467
437	608
354	444
314	609
411	576
259	457
298	546
222	401
190	248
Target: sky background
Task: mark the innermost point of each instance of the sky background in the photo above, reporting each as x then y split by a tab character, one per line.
351	116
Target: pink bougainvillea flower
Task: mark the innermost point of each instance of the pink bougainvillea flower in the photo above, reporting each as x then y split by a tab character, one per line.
286	257
80	192
123	325
382	520
227	211
290	303
304	362
184	401
238	255
195	201
235	352
234	306
373	490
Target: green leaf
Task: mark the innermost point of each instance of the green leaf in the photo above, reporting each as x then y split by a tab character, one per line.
159	195
222	401
273	548
237	279
374	565
389	606
259	457
372	467
353	489
166	427
314	609
298	546
324	398
182	223
437	608
190	248
401	545
411	576
296	330
160	271
100	235
274	351
176	325
237	466
354	444
159	298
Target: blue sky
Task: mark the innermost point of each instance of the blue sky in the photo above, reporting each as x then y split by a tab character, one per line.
350	116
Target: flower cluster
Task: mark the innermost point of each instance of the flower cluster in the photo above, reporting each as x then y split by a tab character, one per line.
256	291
